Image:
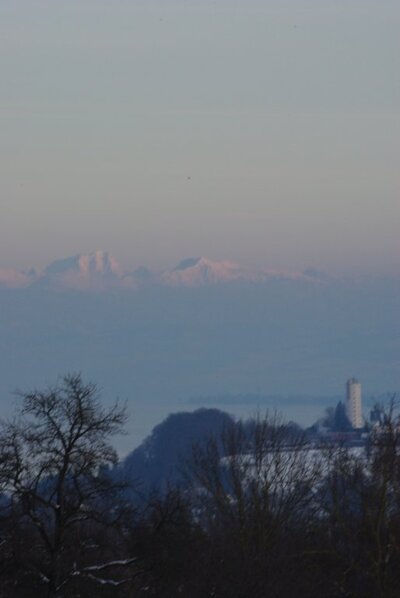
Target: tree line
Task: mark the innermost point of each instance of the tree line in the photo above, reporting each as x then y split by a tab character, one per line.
256	512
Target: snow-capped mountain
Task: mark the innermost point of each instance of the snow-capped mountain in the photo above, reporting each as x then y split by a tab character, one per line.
12	279
195	272
97	271
99	262
100	271
201	329
86	272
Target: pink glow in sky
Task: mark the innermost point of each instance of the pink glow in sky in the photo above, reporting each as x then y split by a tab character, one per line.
262	132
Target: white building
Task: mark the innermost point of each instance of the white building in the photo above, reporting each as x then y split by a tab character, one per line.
353	403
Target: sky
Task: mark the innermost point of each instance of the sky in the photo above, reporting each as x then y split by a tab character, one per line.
261	131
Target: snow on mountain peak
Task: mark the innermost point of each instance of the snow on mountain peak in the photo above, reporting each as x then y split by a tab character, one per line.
193	272
93	271
98	262
12	279
100	271
188	262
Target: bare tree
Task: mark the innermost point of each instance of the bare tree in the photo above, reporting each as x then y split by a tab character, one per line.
361	503
255	490
53	473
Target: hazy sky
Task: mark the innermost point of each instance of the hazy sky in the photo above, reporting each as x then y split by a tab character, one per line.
266	131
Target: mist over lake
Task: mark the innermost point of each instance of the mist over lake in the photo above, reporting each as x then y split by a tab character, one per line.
283	342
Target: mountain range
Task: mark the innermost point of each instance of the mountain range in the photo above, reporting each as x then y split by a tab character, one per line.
203	333
99	271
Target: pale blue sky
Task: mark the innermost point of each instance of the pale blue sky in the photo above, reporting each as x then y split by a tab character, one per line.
266	132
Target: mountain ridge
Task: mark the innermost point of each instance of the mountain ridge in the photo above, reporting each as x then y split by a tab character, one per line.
100	271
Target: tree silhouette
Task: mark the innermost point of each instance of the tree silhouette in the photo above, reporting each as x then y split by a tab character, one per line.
53	458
